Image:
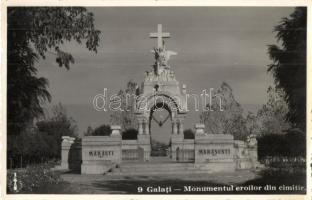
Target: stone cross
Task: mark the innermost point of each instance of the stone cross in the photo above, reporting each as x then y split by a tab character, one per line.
160	35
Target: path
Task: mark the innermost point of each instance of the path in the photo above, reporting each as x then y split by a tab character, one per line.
117	184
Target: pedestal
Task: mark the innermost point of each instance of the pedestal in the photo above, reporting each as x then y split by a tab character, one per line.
176	145
144	142
66	145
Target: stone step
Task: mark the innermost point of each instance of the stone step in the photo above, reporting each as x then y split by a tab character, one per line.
160	172
158	168
147	168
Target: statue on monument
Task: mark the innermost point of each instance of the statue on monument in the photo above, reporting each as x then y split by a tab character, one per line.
162	56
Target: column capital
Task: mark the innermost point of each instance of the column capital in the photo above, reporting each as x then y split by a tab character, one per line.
199	128
116	130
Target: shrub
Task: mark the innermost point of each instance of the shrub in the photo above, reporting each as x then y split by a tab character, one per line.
291	144
103	130
130	134
32	178
189	134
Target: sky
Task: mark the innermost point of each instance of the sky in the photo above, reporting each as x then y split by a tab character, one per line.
214	45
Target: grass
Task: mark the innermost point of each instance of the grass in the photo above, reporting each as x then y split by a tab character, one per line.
89	184
72	183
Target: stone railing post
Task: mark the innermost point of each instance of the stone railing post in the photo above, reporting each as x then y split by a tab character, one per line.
146	127
116	131
199	129
175	127
140	127
181	128
252	145
66	145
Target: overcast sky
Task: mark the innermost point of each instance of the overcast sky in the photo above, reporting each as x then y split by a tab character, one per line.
214	44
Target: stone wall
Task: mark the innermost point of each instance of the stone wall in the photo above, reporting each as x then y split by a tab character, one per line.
101	153
182	150
214	152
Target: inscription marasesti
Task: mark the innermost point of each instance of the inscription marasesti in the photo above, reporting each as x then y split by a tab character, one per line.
214	152
101	153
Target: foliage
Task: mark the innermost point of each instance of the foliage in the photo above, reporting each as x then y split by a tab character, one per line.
32	178
252	124
289	64
291	144
189	134
130	134
43	142
30	147
26	92
103	130
59	125
32	32
229	120
126	116
89	131
272	116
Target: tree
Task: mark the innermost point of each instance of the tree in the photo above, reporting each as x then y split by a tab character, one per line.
290	144
252	124
289	64
126	116
33	32
229	120
272	117
60	124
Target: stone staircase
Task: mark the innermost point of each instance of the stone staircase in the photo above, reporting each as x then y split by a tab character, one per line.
157	166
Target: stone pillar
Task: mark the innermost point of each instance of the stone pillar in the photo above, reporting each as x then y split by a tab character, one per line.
252	145
66	145
199	129
181	127
116	130
174	127
140	127
146	127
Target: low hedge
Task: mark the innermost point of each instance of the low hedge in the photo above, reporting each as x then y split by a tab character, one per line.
32	178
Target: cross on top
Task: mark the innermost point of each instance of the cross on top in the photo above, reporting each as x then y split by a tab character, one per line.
160	35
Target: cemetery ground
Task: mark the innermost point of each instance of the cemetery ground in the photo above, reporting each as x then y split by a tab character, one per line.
245	180
72	182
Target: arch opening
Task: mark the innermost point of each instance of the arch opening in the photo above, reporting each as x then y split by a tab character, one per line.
160	118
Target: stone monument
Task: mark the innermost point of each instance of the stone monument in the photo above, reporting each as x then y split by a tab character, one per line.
160	89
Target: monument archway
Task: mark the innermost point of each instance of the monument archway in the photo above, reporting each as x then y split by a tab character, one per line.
160	89
160	125
156	101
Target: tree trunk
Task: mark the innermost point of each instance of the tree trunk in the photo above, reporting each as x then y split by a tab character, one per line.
21	161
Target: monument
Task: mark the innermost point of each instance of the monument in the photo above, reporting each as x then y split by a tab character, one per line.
206	153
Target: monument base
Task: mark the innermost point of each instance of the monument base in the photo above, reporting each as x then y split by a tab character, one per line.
216	166
144	143
96	167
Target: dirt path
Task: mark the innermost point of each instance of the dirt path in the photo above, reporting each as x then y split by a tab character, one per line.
113	184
